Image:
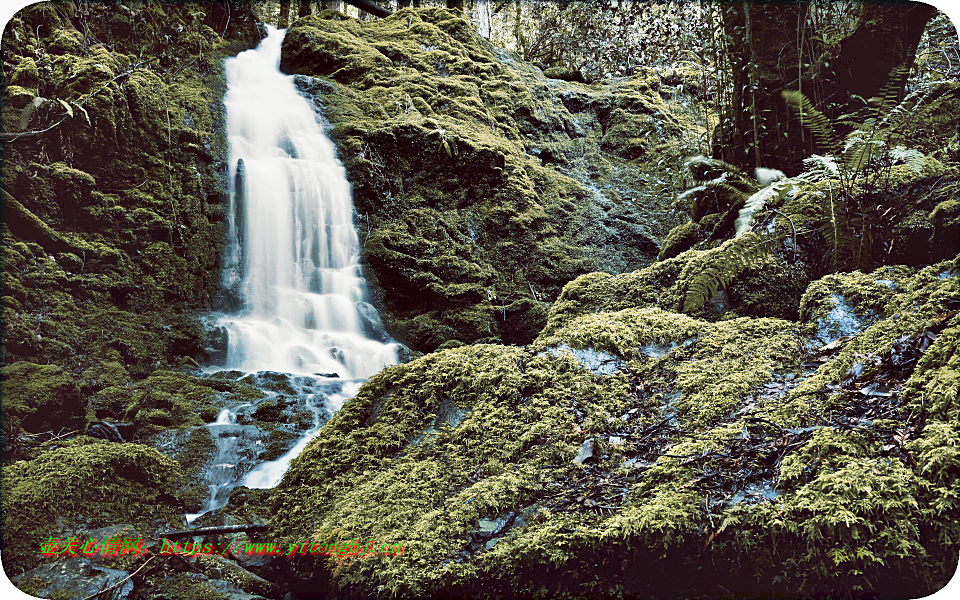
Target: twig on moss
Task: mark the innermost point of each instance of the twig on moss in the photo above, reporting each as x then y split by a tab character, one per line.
117	584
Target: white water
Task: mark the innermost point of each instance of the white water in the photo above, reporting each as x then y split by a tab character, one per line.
294	249
482	18
293	257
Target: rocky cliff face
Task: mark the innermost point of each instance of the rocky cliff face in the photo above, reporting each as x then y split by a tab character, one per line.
481	185
113	195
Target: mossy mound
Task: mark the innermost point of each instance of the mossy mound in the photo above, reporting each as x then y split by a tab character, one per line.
82	486
38	398
647	441
482	185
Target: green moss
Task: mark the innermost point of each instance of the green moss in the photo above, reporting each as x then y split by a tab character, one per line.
38	398
165	399
946	229
682	237
90	485
689	421
25	74
481	184
188	586
139	163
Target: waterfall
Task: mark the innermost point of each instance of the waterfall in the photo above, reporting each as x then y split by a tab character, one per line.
292	265
293	254
482	18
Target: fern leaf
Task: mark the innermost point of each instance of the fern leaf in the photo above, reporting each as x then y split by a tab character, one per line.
813	119
704	169
771	193
819	168
859	151
722	266
85	114
908	156
66	105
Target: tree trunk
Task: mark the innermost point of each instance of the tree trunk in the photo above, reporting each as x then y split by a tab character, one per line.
284	19
304	8
771	49
886	38
765	58
455	5
403	4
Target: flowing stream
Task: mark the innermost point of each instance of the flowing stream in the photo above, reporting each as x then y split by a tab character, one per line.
292	261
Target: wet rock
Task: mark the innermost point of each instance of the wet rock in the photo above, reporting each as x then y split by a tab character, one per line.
842	320
370	322
106	431
215	343
73	577
585	452
39	397
598	363
405	354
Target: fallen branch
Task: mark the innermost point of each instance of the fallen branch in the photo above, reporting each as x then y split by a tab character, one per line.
249	528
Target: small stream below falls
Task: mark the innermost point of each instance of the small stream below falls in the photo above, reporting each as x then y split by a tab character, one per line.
292	273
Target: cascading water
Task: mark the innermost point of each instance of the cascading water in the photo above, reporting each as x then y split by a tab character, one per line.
292	258
294	252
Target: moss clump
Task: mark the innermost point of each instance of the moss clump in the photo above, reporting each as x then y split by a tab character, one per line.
53	494
188	586
945	218
170	399
681	238
845	304
38	398
113	203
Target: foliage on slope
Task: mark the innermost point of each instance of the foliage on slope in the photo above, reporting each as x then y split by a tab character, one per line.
113	179
112	189
738	450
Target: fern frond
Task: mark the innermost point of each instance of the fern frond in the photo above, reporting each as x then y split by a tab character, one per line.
704	169
819	168
858	151
928	97
721	266
772	193
814	120
908	156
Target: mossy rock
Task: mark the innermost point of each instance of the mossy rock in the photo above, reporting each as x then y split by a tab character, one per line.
682	415
112	195
83	486
163	400
482	185
38	398
681	238
945	238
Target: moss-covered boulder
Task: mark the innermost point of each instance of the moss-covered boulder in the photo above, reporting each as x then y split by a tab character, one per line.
81	486
38	398
482	185
113	179
643	440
